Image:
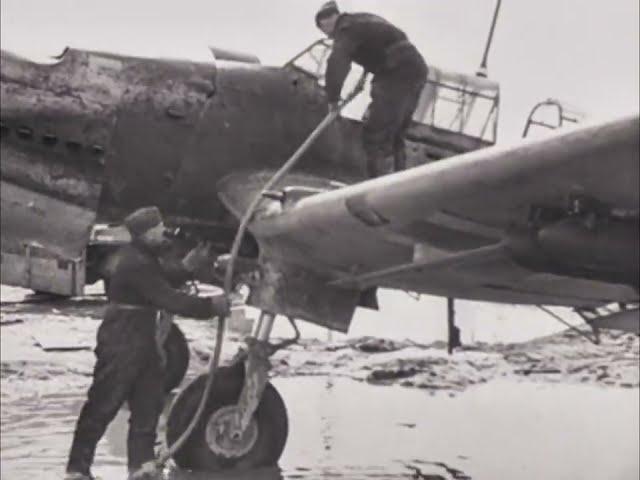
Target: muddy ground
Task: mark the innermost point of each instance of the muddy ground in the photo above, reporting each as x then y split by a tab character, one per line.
557	407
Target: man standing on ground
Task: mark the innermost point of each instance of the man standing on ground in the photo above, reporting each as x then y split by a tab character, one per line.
399	72
129	364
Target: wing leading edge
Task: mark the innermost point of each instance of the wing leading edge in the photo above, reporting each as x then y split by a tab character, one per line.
470	226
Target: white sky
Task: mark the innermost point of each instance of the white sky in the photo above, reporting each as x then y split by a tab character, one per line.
582	51
585	52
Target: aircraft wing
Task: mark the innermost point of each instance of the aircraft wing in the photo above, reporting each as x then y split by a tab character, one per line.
472	226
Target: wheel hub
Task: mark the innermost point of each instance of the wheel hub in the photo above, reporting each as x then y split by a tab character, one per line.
223	437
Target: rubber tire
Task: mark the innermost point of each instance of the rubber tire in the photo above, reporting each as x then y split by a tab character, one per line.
271	415
177	350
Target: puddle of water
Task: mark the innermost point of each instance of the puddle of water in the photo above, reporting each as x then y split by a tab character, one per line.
343	429
497	431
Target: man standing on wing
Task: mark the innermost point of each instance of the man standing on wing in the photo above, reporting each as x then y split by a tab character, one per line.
399	72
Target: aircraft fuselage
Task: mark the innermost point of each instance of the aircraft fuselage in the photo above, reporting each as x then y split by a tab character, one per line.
165	132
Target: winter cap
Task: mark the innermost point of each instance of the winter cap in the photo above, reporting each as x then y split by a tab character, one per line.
326	10
142	220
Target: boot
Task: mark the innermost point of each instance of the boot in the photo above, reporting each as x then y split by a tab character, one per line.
148	471
379	165
78	476
399	159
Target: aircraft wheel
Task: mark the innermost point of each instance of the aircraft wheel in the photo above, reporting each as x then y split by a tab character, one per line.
208	448
177	351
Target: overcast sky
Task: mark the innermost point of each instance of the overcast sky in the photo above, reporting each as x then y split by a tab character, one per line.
582	51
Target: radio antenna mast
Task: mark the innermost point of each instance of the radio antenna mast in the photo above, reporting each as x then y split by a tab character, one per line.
483	70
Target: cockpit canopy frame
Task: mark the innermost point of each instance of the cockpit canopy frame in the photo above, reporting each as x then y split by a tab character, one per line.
467	105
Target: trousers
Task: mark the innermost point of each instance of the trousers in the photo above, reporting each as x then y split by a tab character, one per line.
128	369
394	98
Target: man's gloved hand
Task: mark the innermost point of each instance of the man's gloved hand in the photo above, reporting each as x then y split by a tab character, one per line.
221	305
199	256
221	263
334	107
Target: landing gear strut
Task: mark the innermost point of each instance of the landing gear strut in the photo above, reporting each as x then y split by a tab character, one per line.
245	422
453	332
